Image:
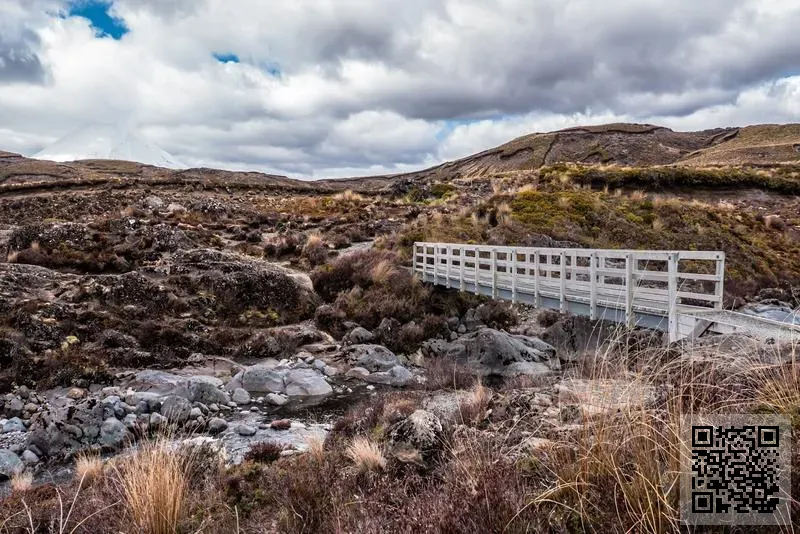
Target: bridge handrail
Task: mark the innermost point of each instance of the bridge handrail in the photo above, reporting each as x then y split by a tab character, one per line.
592	274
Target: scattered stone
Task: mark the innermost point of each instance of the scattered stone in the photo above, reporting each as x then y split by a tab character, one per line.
113	434
195	413
15	407
76	394
358	336
276	399
10	464
281	424
371	357
397	376
157	420
240	396
245	430
176	409
29	457
217	425
14	424
259	379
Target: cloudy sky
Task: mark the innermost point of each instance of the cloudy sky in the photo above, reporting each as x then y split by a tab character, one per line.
318	88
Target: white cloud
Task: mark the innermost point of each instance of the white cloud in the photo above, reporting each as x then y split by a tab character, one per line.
364	90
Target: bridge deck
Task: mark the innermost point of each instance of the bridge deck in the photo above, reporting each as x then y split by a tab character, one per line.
679	292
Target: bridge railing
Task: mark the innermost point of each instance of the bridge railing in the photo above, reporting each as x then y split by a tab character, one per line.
655	282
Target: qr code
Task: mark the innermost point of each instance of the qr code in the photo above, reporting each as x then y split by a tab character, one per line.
738	470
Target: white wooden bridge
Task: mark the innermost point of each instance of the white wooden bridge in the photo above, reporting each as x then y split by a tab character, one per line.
678	292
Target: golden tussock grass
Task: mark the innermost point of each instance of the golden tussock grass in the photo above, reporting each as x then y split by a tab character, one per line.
316	448
366	455
154	485
348	196
22	481
88	466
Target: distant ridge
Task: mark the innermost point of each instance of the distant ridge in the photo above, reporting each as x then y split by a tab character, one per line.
109	142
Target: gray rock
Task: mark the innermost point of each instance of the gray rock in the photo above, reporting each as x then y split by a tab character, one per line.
157	420
130	421
421	430
397	376
306	382
276	399
492	352
113	434
14	424
153	203
15	407
176	409
240	396
357	372
319	365
217	425
372	357
206	392
10	464
358	336
29	458
245	430
258	379
195	413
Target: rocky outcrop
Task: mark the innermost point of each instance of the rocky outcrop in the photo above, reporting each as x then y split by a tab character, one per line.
493	352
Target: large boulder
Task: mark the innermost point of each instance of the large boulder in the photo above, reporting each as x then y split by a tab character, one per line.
374	358
262	379
306	383
357	336
176	409
397	376
10	464
492	352
206	391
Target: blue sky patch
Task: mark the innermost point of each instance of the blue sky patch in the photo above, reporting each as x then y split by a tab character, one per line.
226	58
97	13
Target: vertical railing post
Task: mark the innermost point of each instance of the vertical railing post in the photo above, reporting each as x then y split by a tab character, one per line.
672	296
436	264
536	278
493	266
414	258
449	260
593	286
629	284
461	256
477	264
720	284
513	276
563	280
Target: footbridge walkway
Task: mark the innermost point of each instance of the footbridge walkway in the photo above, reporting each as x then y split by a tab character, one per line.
678	292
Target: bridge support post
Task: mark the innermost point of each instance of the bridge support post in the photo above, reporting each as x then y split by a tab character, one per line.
461	256
563	280
414	259
536	278
493	256
436	264
593	286
672	292
513	276
719	287
449	263
630	320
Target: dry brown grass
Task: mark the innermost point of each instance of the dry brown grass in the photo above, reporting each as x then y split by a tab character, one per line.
366	455
348	196
21	482
382	272
154	484
88	466
316	448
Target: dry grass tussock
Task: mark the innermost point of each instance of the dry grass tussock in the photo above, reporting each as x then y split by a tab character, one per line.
22	481
88	466
366	455
154	485
348	196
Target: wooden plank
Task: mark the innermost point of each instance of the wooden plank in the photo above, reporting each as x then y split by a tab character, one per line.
593	286
629	283
563	275
672	313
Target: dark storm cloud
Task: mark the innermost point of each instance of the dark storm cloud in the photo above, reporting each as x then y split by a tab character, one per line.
19	61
